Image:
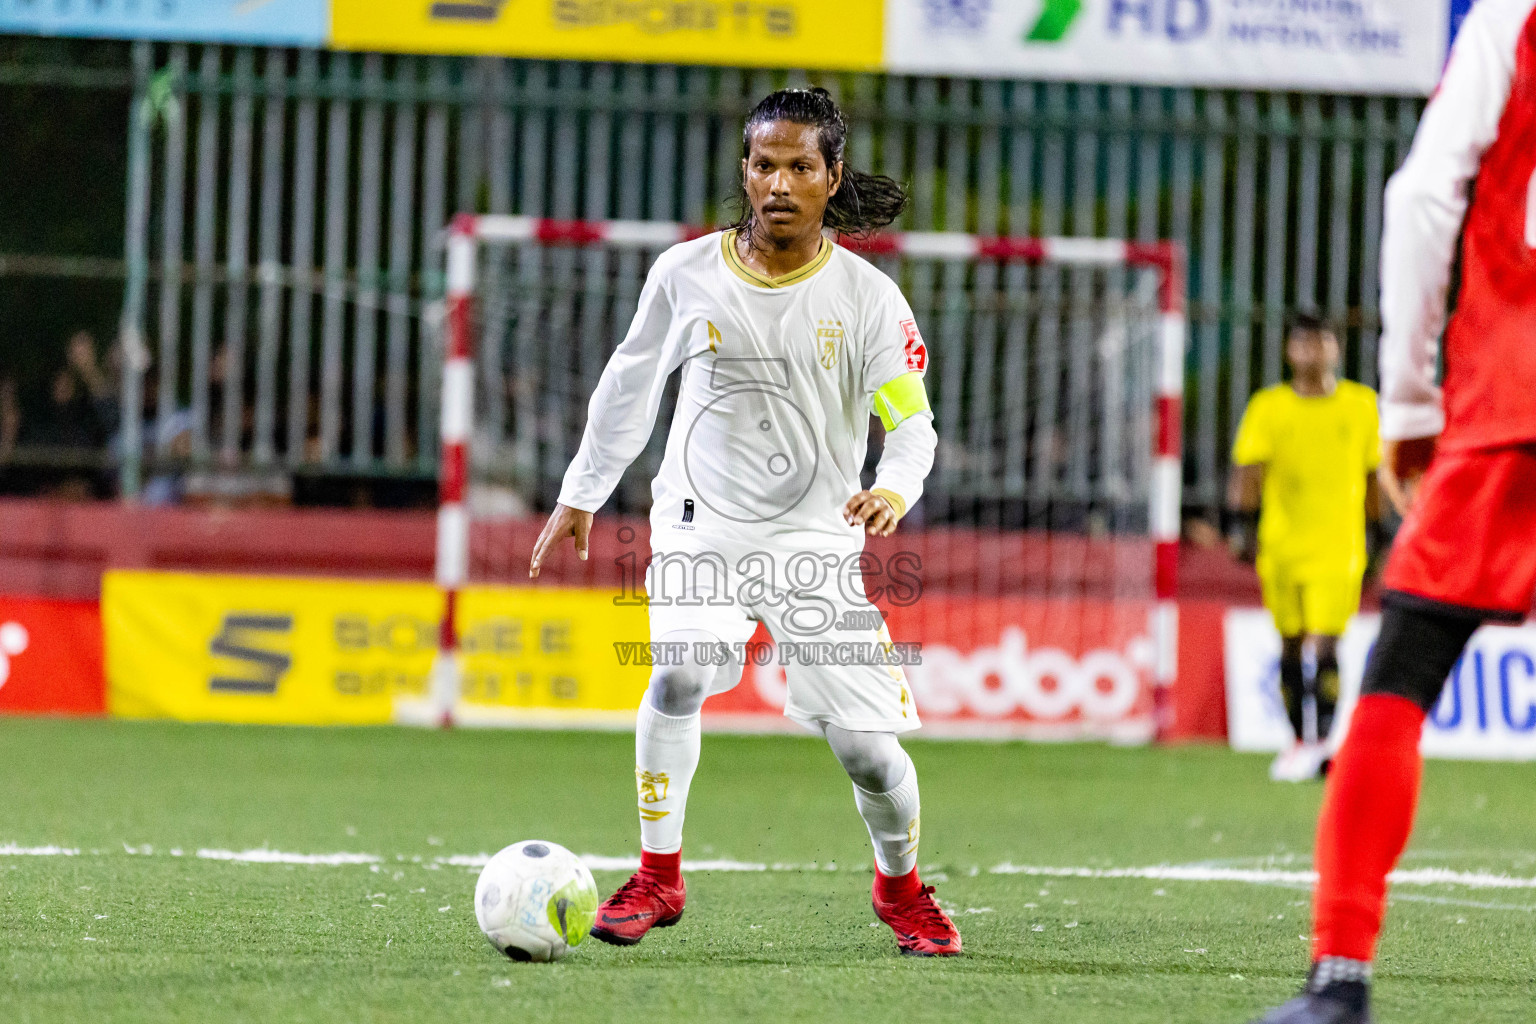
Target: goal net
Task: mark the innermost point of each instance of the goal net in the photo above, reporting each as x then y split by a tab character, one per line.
1032	583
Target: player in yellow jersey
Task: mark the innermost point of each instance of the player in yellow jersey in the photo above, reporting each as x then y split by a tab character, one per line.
1305	497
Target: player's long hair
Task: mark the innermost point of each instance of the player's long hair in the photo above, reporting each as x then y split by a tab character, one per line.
864	202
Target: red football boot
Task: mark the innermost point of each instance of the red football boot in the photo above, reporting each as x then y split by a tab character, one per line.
921	928
650	899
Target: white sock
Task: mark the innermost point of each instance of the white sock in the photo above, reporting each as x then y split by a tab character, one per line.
894	820
1338	968
666	755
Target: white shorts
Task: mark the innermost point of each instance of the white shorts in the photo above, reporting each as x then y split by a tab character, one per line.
840	664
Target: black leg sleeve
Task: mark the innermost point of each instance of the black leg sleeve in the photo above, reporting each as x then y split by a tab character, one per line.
1416	650
1292	688
1326	687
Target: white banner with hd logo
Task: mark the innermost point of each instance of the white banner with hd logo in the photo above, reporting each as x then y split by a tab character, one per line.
1365	46
1487	711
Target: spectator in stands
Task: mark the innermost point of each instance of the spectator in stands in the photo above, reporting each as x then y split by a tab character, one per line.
80	409
71	428
168	446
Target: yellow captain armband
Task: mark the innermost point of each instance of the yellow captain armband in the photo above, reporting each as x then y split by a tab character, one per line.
901	399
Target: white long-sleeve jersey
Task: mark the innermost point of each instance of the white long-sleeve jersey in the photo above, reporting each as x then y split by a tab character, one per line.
1470	176
779	379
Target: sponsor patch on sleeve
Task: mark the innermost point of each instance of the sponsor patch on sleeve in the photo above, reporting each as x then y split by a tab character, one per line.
917	352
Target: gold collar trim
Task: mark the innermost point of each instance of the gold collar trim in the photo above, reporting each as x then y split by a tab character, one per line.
752	277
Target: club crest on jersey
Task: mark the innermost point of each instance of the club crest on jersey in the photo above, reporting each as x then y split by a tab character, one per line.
829	339
917	352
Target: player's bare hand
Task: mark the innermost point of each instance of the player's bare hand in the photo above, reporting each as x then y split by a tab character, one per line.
1402	467
871	511
564	522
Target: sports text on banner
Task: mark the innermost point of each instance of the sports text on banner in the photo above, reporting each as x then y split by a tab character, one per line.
318	652
757	33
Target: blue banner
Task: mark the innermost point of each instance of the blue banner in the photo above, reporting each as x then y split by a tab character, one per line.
1459	11
271	22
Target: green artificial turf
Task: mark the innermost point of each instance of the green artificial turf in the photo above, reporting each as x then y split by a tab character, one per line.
177	938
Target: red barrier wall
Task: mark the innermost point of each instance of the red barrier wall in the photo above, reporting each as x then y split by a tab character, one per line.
59	550
1200	697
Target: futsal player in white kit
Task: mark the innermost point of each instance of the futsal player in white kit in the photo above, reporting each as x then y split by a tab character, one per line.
787	343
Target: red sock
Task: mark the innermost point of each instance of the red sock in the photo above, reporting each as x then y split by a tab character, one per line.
1366	818
666	868
895	888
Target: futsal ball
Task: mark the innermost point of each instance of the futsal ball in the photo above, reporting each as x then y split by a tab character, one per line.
535	901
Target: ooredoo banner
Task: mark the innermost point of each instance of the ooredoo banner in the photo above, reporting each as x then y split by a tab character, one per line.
1022	668
277	650
1487	711
751	33
50	657
1366	46
270	22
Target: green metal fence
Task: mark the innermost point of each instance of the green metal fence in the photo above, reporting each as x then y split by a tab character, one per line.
288	204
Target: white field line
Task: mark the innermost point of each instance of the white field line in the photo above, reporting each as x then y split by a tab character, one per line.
12	850
279	857
1263	876
1446	901
599	862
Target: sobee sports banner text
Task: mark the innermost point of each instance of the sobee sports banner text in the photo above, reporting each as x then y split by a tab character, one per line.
1367	46
755	33
335	652
270	22
1487	712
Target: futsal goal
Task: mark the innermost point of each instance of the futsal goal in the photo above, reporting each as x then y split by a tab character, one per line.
1034	581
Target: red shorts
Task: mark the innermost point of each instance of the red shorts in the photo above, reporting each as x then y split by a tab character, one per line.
1470	539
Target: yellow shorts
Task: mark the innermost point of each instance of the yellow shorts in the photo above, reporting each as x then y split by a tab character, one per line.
1315	606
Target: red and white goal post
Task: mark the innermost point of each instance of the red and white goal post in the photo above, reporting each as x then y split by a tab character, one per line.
1092	440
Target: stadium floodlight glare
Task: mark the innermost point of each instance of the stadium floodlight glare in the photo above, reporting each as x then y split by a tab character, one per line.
566	283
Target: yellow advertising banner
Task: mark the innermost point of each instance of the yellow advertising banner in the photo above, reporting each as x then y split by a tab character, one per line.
274	650
551	655
754	33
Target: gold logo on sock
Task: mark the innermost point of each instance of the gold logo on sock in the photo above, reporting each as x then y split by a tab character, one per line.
652	786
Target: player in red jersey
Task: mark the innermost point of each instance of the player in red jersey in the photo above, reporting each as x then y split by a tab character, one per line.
1459	463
